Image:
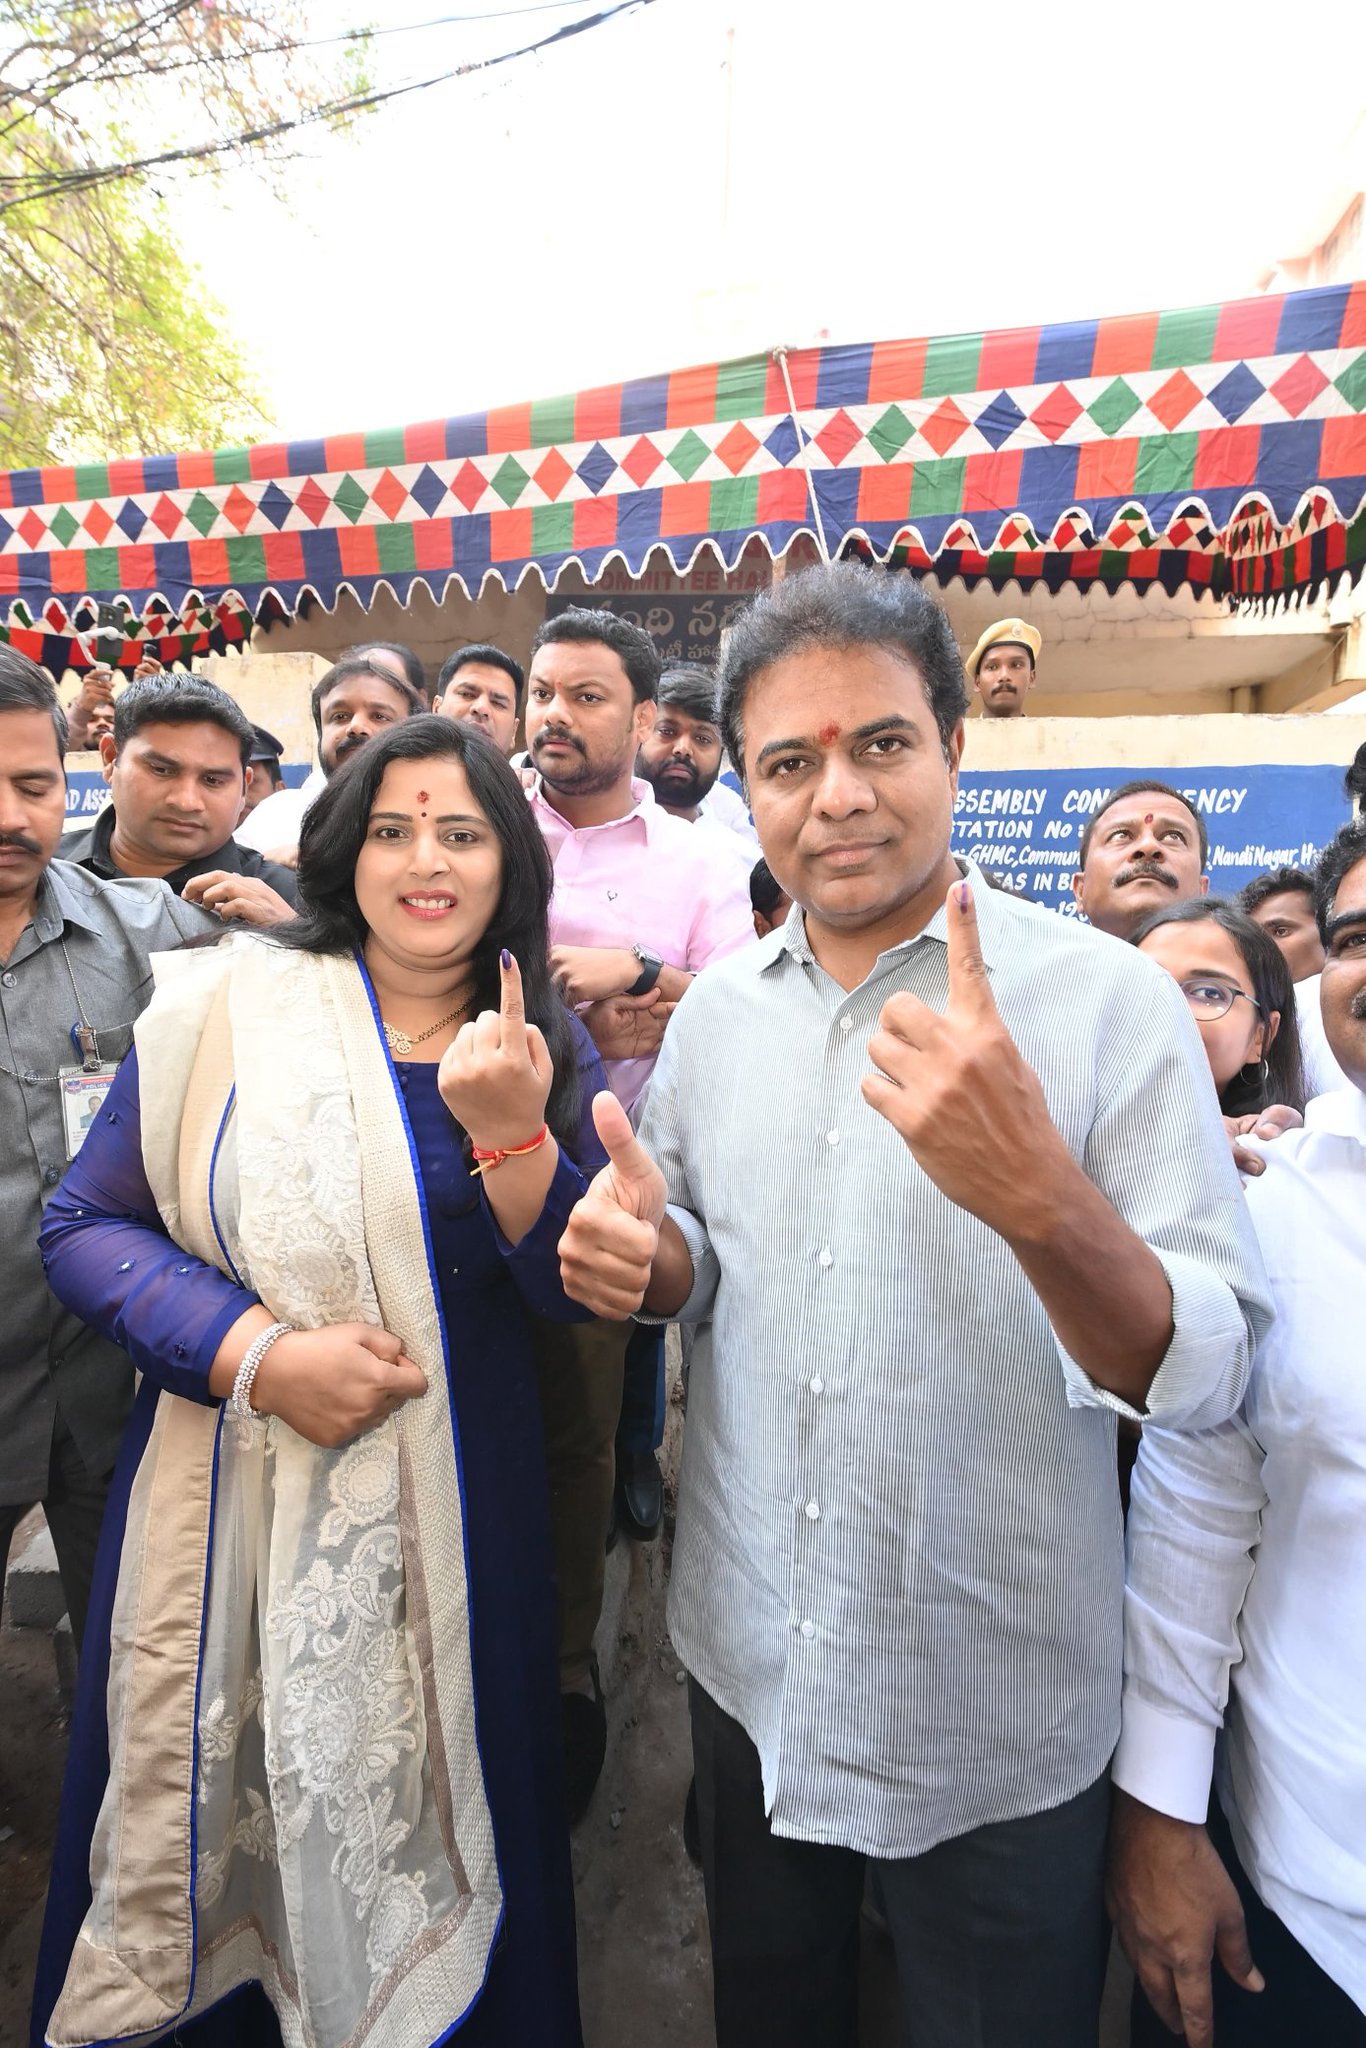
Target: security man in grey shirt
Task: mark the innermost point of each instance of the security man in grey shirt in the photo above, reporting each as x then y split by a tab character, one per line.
74	974
988	1210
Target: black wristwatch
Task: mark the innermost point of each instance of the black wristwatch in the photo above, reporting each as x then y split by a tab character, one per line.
651	967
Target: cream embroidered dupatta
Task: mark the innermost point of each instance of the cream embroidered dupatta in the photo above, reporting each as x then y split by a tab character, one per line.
295	1791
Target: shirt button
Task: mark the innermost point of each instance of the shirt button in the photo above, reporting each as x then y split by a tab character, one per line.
846	1023
813	1511
8	980
30	1080
817	1385
832	1137
808	1629
827	1257
52	1174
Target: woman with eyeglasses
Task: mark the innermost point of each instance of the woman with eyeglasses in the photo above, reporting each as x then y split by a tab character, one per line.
1234	977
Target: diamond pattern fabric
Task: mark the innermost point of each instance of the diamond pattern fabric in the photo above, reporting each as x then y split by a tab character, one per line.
1220	446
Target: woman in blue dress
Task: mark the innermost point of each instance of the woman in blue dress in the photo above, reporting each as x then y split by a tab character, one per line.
321	1649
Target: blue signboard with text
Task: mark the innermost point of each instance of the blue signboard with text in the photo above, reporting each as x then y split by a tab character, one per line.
1026	825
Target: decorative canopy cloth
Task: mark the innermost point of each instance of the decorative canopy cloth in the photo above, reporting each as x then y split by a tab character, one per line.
1220	446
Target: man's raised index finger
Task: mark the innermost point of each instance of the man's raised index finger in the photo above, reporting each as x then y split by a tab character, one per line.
969	987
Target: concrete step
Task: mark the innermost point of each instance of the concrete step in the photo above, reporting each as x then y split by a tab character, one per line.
32	1583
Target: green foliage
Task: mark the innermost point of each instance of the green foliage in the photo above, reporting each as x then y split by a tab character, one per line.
110	342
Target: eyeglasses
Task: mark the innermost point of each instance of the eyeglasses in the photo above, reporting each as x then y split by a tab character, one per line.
1211	999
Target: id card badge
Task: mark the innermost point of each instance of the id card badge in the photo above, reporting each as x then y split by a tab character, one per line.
83	1092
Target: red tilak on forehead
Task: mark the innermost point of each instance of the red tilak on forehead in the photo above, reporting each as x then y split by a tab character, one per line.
828	734
422	796
1148	819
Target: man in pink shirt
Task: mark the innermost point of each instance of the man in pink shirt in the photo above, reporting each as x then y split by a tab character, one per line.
643	901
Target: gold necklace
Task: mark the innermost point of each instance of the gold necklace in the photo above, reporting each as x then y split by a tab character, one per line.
403	1041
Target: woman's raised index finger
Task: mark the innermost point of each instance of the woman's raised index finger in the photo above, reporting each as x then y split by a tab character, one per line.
511	1003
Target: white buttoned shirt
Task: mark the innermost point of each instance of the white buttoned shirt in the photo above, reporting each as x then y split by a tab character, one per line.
1248	1563
899	1560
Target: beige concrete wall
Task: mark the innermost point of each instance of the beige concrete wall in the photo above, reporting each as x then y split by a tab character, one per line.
1226	740
273	688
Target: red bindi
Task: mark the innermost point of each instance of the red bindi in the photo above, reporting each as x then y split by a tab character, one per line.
828	735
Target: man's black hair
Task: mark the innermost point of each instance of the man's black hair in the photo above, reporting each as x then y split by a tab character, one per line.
26	687
492	657
180	699
1275	882
841	605
411	664
1338	858
583	626
765	891
1281	1078
352	665
1128	789
1354	781
690	687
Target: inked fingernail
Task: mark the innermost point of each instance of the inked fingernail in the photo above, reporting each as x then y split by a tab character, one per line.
964	895
505	957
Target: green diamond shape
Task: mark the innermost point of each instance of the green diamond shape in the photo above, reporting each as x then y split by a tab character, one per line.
63	526
1352	384
891	433
350	499
510	480
1115	407
689	454
201	512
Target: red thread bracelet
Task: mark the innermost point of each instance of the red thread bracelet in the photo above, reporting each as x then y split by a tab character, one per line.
487	1159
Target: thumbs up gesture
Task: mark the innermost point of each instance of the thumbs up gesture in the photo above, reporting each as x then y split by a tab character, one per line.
609	1245
956	1087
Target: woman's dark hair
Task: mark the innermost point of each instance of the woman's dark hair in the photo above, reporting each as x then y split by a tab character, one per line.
841	605
330	921
1282	1076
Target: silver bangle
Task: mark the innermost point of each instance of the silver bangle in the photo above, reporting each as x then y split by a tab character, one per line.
246	1371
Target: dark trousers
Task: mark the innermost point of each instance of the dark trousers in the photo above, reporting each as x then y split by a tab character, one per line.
641	1427
1000	1935
73	1502
1301	2003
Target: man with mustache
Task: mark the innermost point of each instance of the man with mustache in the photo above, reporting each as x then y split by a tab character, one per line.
176	763
1001	667
1245	1614
1146	847
372	686
682	759
483	687
642	901
75	971
991	1213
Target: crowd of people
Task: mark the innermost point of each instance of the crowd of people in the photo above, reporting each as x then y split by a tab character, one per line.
362	1140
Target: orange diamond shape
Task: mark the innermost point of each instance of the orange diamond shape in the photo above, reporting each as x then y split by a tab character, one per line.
31	529
553	474
313	501
238	509
944	426
641	462
1055	414
98	524
166	515
468	485
1299	386
837	437
738	448
1177	397
390	495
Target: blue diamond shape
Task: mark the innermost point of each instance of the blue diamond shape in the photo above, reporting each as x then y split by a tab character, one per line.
132	519
999	420
6	533
782	444
1236	392
428	489
276	505
597	466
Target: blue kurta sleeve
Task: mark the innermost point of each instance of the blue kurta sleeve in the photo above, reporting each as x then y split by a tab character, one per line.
534	1263
109	1258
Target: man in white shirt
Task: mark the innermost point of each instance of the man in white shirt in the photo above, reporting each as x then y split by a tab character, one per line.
1246	1612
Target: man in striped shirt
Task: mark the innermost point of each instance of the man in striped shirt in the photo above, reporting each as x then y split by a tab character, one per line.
986	1210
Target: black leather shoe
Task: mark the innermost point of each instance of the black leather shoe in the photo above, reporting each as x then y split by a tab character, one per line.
583	1724
640	1494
